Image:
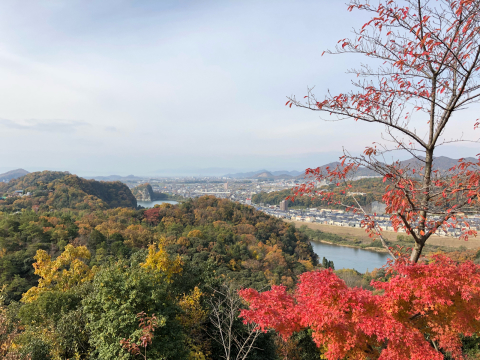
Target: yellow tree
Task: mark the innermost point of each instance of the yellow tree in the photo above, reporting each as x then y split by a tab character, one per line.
63	273
159	260
193	319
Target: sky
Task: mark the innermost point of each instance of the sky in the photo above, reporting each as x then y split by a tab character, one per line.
173	87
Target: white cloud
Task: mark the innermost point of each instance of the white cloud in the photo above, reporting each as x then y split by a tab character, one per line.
50	126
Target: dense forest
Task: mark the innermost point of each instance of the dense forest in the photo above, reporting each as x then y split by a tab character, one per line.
74	280
59	190
365	190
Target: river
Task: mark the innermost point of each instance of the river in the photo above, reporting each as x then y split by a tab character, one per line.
151	204
350	258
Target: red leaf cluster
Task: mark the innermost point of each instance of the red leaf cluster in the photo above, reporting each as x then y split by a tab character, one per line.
151	216
147	324
441	299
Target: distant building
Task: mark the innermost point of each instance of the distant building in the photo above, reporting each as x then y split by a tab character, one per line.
248	201
284	205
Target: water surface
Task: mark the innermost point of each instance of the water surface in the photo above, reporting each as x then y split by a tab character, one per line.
350	258
151	204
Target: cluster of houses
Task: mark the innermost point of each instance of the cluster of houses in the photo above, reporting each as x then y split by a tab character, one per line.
16	193
348	219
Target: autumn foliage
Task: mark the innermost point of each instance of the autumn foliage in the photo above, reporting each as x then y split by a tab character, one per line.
422	69
159	260
57	190
147	324
63	273
421	308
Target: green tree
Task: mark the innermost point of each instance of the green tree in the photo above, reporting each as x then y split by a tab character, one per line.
55	325
120	292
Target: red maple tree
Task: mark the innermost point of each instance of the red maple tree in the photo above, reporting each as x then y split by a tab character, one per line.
147	324
151	216
429	56
422	308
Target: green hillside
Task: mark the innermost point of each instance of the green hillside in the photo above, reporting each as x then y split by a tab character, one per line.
58	190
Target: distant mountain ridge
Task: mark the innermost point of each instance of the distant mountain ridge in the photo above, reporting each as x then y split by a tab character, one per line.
285	172
439	163
13	174
272	174
265	174
114	178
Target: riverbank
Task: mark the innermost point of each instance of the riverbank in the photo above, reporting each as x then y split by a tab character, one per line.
151	204
370	248
326	236
358	236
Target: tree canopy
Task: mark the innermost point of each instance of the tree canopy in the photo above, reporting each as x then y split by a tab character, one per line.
60	190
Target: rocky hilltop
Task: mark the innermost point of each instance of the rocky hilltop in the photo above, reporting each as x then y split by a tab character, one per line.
145	192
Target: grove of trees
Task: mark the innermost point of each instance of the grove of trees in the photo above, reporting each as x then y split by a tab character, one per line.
73	281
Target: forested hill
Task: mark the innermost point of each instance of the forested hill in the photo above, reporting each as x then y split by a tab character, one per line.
365	190
60	190
98	270
244	244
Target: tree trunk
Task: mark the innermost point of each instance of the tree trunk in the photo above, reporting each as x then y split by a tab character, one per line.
416	252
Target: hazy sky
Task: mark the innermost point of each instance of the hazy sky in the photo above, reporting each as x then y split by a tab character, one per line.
151	87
